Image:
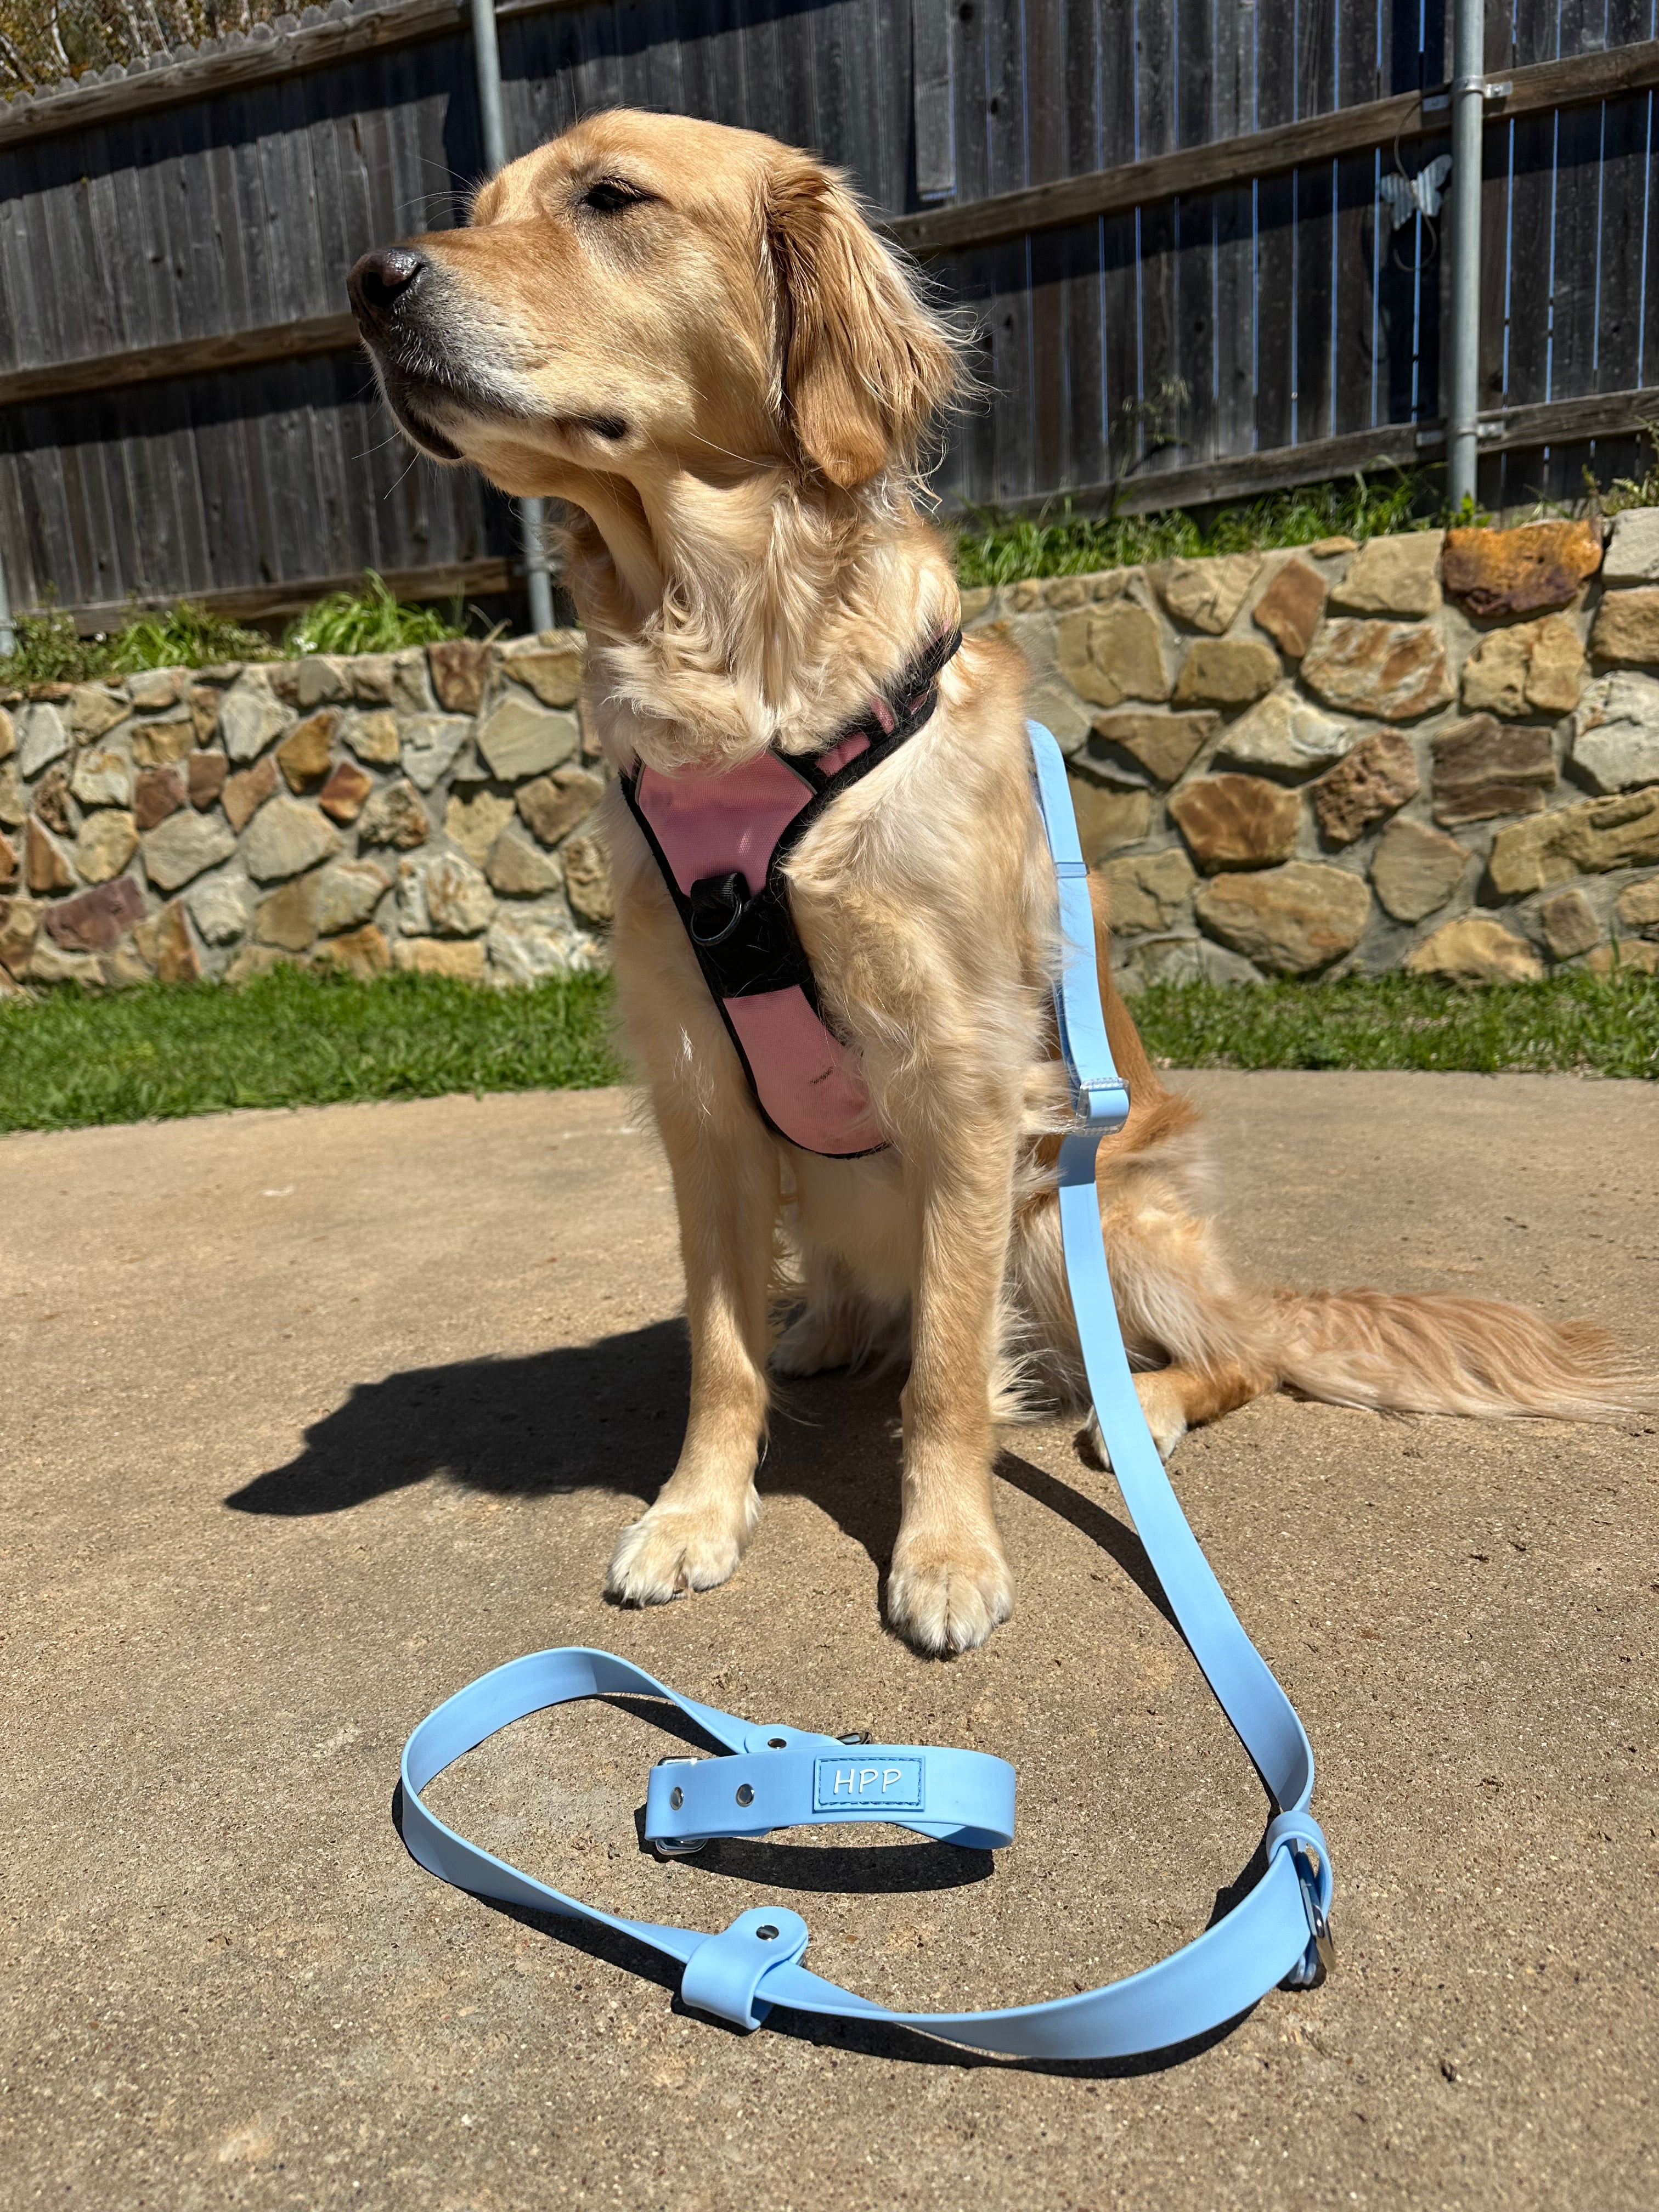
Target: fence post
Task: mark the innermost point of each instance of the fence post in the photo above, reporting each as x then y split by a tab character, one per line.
486	58
1467	120
8	635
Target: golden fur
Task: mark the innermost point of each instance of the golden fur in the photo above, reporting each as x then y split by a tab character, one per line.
689	336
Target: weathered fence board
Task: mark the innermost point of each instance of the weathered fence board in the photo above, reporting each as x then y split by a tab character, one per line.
186	235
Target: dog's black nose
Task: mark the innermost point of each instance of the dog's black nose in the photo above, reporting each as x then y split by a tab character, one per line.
379	280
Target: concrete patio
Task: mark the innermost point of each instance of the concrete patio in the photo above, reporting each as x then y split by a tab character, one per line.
308	1418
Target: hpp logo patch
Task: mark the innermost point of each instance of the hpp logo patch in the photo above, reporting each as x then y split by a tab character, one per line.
873	1781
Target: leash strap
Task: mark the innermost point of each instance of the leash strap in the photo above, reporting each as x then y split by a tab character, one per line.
1278	1932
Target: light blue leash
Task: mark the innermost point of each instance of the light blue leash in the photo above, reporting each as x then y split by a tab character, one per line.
780	1776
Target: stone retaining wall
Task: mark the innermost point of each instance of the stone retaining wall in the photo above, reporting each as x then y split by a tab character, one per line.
1435	752
1428	752
427	809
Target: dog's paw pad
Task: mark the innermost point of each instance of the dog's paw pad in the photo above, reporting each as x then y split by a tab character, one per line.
943	1604
666	1555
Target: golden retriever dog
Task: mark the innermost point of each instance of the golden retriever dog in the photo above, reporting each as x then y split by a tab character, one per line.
691	338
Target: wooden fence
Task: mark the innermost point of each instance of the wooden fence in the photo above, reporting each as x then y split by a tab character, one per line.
1174	219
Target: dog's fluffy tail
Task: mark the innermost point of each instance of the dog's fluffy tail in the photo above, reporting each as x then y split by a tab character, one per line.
1439	1354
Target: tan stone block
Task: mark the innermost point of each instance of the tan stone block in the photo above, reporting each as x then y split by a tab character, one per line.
1480	769
305	753
258	960
1592	837
170	949
1629	953
1112	652
553	671
1164	746
1107	820
185	847
246	792
19	925
1063	593
157	745
108	842
124	968
462	958
373	737
459	667
155	687
1208	593
519	740
1491	572
474	823
102	778
321	679
363	952
1237	821
519	868
10	864
1226	672
1292	921
204	702
1379	775
1535	667
372	679
1392	670
46	864
285	838
1328	549
8	736
95	708
161	792
443	895
553	805
1638	904
1475	949
1291	607
1416	869
1626	627
1393	576
288	916
1148	891
14	802
1569	923
348	892
587	879
48	965
1287	732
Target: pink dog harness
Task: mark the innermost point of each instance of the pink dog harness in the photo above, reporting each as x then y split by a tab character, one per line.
722	842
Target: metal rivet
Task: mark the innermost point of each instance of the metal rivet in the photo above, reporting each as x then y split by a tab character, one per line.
766	1935
776	1742
745	1794
676	1798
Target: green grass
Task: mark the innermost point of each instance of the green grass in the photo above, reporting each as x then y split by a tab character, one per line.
295	1039
1608	1025
992	548
291	1039
372	620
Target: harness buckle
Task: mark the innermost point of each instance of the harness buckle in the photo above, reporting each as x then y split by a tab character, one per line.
677	1847
1318	1962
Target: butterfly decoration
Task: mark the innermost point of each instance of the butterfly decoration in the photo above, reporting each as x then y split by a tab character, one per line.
1405	197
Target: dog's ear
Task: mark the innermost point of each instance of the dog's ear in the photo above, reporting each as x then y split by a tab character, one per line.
864	365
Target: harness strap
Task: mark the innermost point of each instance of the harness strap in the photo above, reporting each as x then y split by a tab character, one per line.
733	902
1278	1931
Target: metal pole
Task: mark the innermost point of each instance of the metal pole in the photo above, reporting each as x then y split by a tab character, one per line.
1468	115
487	55
8	635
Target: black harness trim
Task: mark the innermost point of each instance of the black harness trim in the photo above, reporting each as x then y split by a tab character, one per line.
745	941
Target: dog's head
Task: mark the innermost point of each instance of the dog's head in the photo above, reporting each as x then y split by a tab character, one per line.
648	295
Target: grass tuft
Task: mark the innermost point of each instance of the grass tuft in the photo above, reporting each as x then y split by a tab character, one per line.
372	620
1573	1024
995	550
293	1038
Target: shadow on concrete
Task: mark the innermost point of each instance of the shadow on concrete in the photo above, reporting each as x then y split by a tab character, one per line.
608	1415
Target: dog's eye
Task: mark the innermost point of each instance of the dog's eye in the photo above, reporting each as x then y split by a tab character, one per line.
610	197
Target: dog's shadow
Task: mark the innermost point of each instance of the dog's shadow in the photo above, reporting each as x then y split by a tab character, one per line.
608	1416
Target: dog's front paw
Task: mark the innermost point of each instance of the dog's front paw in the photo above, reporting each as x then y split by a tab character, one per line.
948	1597
674	1549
